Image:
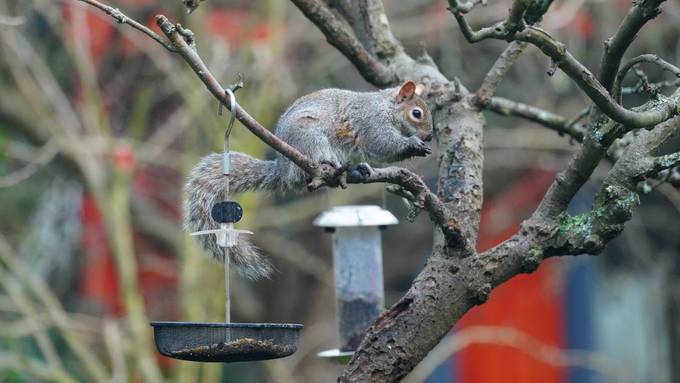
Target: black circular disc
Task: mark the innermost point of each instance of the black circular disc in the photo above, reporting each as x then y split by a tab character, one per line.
226	212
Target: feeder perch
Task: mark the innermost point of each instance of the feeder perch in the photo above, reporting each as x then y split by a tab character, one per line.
357	260
225	213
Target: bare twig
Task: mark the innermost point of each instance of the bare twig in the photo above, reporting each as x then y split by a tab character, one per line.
25	307
11	21
506	28
465	7
640	13
583	114
121	18
498	71
548	119
648	58
194	60
32	367
55	310
638	88
40	159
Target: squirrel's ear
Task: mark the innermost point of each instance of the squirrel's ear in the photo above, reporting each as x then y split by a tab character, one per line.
420	89
406	91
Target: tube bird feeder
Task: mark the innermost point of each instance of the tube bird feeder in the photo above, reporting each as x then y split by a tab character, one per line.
357	262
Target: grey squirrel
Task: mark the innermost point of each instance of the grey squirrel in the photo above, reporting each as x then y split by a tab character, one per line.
330	126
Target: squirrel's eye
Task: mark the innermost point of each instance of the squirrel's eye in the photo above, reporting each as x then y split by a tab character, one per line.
417	113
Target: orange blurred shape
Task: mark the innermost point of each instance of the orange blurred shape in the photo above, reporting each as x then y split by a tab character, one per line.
85	24
236	27
98	282
123	157
583	24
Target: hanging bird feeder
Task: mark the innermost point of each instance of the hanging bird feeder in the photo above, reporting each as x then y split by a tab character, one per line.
357	261
226	342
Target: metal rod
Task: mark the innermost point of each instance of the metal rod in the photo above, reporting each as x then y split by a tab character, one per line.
227	297
227	173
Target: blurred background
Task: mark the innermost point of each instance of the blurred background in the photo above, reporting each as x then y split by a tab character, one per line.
99	126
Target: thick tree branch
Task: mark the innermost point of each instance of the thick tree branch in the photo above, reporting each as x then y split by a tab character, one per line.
548	119
382	62
664	162
585	160
369	22
544	236
338	35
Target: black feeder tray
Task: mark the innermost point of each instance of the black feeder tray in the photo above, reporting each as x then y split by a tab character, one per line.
226	342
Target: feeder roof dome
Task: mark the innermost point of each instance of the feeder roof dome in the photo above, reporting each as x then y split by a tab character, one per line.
355	215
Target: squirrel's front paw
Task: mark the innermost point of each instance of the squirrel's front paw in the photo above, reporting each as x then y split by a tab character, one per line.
328	166
362	171
418	148
333	174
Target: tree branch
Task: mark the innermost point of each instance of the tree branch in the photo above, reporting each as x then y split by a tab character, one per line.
454	278
371	27
40	159
640	13
548	119
543	236
664	162
338	35
423	198
176	35
390	64
498	71
648	58
571	66
121	18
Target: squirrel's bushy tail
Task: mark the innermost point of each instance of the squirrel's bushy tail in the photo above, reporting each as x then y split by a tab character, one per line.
205	187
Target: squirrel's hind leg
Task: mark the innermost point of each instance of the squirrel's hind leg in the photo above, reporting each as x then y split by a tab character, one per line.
315	145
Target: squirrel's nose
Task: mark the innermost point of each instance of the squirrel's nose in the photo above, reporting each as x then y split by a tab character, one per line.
427	137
